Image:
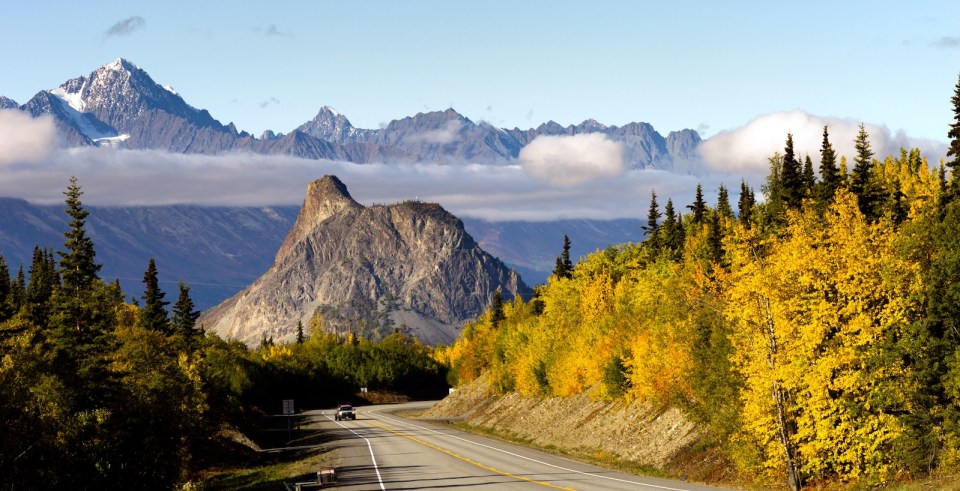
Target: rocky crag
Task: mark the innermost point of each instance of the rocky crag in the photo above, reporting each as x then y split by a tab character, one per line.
370	270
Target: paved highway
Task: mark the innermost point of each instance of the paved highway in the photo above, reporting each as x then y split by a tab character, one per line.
382	451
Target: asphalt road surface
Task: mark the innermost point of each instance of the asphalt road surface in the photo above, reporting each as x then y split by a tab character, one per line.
382	451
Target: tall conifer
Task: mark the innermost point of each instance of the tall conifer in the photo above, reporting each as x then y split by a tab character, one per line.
723	202
791	176
745	204
699	206
954	133
184	318
829	172
860	183
78	267
652	228
153	315
6	300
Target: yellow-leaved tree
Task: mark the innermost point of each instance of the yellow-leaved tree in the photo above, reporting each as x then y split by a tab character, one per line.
811	313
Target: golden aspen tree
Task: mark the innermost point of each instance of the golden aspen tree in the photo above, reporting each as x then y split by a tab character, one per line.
809	317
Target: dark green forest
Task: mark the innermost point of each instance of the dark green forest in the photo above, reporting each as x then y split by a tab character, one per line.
98	391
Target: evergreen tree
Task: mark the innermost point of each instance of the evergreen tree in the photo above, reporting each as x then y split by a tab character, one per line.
18	291
723	202
40	287
745	204
715	238
775	206
83	316
673	236
954	135
6	300
829	172
791	176
78	267
496	309
564	267
184	319
809	180
860	183
153	315
652	229
699	206
300	336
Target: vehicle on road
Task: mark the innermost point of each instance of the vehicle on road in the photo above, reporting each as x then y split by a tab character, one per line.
345	411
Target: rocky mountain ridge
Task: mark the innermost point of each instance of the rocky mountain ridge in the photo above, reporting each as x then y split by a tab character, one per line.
119	104
408	266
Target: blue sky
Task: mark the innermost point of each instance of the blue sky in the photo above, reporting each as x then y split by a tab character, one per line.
705	65
742	73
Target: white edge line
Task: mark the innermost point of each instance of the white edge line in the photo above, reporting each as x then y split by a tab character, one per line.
598	476
369	446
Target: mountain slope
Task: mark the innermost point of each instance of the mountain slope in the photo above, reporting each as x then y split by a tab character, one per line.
217	250
118	104
372	269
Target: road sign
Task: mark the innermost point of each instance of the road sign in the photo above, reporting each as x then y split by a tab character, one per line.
288	406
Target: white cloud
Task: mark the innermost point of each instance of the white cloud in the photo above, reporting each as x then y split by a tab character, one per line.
26	139
747	148
440	136
494	192
572	160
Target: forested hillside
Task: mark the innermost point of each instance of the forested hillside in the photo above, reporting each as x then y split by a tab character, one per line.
98	391
813	332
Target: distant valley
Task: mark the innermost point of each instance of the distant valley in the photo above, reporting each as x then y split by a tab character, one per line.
220	250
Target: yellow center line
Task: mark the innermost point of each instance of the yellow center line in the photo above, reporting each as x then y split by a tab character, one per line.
467	460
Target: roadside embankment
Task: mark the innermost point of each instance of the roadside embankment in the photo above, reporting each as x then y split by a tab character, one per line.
636	433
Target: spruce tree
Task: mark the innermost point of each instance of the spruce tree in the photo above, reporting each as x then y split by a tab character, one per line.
860	177
40	287
18	290
184	318
954	134
829	172
78	267
723	202
775	205
745	204
699	206
6	300
809	180
153	315
83	314
672	231
652	228
300	336
564	266
496	309
791	176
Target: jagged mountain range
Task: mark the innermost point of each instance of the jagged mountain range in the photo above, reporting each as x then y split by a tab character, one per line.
119	104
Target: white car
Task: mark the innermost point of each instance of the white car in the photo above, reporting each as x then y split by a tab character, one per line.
345	411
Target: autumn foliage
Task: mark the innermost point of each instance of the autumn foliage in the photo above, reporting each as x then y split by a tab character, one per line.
815	338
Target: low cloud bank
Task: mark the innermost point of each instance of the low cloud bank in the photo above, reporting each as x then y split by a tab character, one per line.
581	176
26	140
494	192
572	160
747	149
